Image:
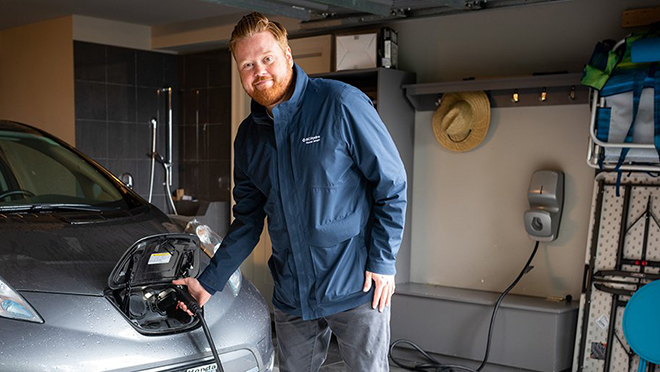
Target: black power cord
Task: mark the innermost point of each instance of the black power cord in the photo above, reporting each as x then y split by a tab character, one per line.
184	296
433	364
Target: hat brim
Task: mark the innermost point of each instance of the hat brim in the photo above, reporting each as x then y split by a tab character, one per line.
480	105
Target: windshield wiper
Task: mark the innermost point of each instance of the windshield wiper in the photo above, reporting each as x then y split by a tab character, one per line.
56	207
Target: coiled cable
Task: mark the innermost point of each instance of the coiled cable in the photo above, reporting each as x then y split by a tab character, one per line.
434	365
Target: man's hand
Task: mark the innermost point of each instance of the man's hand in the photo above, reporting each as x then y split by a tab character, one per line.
383	290
196	290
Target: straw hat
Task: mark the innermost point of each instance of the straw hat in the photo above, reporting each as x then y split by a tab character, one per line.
461	122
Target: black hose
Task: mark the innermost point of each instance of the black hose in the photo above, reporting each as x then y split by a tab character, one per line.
208	337
184	296
436	366
499	301
433	364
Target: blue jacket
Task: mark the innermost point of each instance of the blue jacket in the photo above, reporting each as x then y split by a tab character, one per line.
326	173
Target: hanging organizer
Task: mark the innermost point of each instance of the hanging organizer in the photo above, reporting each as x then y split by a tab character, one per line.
629	144
623	254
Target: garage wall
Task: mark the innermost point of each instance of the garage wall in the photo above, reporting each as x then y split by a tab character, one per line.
467	217
116	96
209	33
467	226
205	141
103	31
36	66
468	230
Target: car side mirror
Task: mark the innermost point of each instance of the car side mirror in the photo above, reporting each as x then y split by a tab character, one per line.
127	179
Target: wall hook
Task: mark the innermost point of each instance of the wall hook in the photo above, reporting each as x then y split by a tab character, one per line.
515	97
544	95
571	94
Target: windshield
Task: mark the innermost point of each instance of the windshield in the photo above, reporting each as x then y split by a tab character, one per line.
37	171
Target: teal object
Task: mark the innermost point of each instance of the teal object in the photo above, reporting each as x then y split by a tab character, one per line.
641	323
645	50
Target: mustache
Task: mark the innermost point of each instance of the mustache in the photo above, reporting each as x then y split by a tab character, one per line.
261	78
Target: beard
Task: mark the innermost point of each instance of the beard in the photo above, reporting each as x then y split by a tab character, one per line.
276	93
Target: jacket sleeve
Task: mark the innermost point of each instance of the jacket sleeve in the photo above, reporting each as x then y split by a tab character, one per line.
377	158
243	236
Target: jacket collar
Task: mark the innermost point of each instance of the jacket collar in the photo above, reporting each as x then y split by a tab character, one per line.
300	80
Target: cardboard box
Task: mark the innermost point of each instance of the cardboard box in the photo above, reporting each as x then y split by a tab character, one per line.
367	50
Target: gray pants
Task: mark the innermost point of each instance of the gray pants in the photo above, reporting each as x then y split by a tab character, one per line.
363	335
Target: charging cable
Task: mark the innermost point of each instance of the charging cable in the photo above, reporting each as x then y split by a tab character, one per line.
184	296
433	364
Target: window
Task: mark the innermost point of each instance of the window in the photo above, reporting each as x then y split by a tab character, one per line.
35	169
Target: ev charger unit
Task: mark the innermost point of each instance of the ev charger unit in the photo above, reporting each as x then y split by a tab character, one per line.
546	201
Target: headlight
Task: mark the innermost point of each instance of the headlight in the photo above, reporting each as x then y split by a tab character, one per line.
235	281
211	241
14	306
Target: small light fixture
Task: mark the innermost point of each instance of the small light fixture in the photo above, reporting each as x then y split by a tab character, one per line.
515	97
544	95
571	94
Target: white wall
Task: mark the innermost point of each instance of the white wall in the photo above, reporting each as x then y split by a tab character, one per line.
467	226
102	31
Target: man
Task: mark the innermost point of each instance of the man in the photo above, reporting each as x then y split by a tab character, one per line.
315	158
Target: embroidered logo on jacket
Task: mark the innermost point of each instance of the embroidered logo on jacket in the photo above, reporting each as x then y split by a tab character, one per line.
312	139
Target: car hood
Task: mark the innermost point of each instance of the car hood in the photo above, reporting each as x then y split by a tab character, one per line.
48	254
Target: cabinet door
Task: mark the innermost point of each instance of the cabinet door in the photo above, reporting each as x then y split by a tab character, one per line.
313	54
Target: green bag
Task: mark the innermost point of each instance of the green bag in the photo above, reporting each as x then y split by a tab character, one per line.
600	66
605	59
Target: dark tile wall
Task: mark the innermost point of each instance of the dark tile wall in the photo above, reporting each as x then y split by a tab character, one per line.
206	130
116	94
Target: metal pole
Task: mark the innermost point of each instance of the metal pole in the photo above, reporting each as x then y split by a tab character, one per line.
168	162
169	131
154	126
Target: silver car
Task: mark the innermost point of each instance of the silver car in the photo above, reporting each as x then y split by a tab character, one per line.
85	274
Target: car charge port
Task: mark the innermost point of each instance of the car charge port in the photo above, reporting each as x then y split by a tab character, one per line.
141	284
